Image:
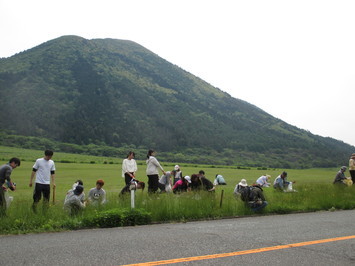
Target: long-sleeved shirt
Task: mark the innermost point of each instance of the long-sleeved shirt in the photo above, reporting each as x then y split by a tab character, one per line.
73	202
219	180
262	181
352	164
5	173
281	183
339	177
153	166
129	166
97	195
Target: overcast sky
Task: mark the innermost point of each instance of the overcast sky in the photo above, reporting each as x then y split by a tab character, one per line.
293	59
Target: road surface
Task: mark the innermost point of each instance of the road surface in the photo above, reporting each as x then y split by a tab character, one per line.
266	240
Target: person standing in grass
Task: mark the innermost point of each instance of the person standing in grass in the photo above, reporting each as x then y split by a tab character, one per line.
5	176
44	169
352	167
152	171
129	167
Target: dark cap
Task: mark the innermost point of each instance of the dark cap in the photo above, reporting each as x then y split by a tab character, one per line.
78	190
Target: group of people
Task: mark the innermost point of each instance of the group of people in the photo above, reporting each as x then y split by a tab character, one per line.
341	179
253	195
75	198
44	171
170	181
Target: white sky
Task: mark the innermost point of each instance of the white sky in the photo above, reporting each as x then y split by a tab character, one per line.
293	59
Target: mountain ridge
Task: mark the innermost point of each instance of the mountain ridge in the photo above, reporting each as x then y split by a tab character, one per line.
117	93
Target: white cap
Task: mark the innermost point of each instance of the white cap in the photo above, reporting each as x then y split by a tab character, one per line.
188	179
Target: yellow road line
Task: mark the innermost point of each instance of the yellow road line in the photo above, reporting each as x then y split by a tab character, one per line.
237	253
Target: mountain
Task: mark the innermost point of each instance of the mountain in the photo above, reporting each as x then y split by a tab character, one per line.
117	93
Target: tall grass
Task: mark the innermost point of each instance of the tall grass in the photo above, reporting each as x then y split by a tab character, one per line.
314	186
180	207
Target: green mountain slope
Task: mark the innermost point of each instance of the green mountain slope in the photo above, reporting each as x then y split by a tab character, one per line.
117	93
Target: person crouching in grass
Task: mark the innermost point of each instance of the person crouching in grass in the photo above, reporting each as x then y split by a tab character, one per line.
73	202
182	185
340	178
199	182
97	195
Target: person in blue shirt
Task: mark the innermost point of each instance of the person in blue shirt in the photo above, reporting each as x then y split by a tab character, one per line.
282	184
219	180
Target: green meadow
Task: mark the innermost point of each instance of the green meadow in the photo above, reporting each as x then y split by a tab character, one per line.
314	186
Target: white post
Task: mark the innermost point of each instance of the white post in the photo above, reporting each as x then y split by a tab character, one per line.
132	198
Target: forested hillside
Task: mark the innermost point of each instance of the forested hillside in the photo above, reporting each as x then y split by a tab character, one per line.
117	93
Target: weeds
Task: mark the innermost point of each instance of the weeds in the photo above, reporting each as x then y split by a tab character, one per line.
173	208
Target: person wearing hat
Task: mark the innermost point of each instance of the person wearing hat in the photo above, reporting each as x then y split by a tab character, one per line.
262	181
82	195
73	203
352	167
182	185
97	195
240	187
252	195
176	173
340	178
281	183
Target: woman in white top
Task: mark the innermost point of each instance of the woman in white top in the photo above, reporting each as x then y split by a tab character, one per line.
153	167
263	181
129	167
352	167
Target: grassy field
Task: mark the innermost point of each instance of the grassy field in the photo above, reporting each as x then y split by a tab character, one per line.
315	192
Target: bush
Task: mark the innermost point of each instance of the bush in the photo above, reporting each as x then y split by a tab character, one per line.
117	217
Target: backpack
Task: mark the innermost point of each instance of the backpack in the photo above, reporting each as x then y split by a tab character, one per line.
245	193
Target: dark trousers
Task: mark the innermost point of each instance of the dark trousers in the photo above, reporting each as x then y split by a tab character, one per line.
2	202
352	174
127	178
39	190
153	184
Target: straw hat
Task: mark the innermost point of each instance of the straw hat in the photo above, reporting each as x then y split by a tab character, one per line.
243	183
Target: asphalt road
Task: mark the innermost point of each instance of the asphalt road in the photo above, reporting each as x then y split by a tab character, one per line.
119	246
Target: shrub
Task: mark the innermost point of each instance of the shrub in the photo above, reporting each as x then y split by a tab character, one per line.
117	217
